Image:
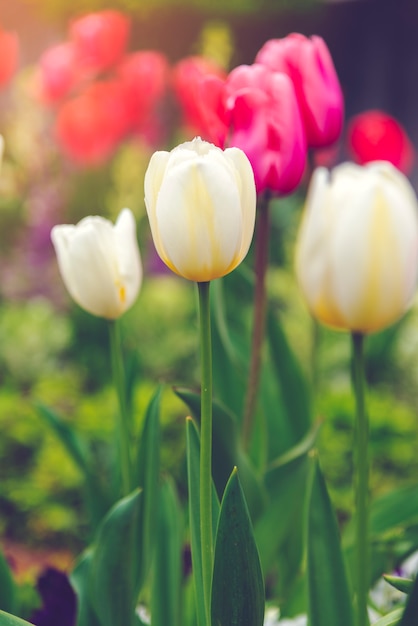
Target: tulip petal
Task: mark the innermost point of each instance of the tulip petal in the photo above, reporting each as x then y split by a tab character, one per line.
99	263
199	218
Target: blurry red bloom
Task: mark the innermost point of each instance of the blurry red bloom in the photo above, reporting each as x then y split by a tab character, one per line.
309	64
9	55
197	83
100	38
265	122
376	136
58	71
89	126
144	75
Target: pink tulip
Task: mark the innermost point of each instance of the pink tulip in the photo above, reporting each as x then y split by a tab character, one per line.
310	66
90	126
265	122
376	136
58	72
100	38
9	55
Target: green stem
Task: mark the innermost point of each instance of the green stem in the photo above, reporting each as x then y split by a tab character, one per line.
259	322
206	445
123	424
361	575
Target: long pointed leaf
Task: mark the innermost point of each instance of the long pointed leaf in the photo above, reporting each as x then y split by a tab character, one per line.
148	464
391	619
237	586
193	478
7	586
10	620
410	615
80	580
165	597
329	595
294	389
227	452
113	568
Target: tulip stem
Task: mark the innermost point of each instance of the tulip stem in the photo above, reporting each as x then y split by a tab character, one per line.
361	575
206	445
259	321
123	425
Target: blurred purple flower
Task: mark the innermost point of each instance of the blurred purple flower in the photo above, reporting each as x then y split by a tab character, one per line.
59	602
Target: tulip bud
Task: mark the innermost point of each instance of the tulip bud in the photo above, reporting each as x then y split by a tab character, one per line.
265	122
100	263
201	205
376	136
357	248
310	66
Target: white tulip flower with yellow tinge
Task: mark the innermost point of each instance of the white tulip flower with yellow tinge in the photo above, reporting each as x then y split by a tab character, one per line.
100	263
357	248
201	205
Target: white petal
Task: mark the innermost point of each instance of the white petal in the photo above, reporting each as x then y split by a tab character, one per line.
199	217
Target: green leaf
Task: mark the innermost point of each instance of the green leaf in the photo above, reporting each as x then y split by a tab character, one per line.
329	595
10	620
97	501
72	442
80	580
113	567
409	616
167	571
391	619
227	452
401	584
229	353
292	382
7	586
148	469
272	528
193	478
391	515
286	476
237	586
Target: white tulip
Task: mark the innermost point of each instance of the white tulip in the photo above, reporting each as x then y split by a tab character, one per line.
100	263
356	254
201	205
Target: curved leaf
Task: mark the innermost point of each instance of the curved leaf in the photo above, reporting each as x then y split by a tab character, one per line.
237	586
193	479
10	620
227	452
148	469
329	594
167	570
113	567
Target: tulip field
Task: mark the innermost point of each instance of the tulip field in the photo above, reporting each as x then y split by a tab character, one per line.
208	333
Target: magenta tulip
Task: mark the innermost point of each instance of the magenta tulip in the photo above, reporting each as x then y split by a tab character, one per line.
309	64
265	122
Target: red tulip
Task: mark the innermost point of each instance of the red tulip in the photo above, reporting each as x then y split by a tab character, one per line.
265	122
144	75
58	71
9	55
310	66
100	38
376	136
197	83
89	126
